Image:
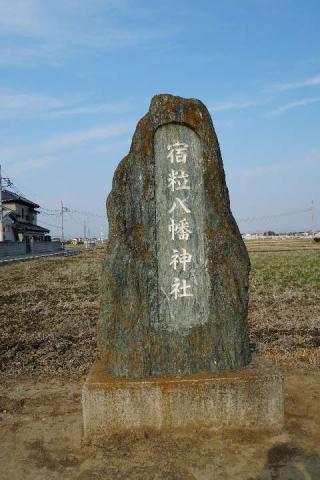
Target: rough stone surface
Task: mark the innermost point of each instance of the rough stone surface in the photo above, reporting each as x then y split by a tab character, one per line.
251	397
137	336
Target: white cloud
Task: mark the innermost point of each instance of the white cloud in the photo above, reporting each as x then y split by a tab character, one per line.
94	109
21	104
294	104
29	104
82	137
29	165
308	82
113	147
262	99
49	32
232	105
278	167
63	142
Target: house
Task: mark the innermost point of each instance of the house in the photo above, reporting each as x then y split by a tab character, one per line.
20	219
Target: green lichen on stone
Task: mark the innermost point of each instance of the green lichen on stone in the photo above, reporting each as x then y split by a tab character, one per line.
136	336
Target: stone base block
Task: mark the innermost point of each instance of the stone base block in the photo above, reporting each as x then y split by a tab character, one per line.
248	398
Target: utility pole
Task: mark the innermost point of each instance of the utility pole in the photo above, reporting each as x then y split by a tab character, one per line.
85	230
101	234
9	183
312	218
62	226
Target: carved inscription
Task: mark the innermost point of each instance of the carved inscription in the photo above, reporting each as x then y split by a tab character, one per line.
182	275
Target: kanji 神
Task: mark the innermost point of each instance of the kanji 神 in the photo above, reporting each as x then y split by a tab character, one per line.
178	152
181	258
179	203
181	229
180	289
178	180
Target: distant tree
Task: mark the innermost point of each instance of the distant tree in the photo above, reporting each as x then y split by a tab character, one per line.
269	233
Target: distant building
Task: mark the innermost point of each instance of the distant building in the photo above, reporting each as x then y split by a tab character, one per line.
76	241
20	219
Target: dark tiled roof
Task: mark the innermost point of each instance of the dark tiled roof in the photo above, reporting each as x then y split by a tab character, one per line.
29	227
14	197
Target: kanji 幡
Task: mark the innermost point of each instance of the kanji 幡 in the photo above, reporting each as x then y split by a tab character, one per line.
180	229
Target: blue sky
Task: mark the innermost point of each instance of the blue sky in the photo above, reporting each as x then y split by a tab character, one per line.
77	75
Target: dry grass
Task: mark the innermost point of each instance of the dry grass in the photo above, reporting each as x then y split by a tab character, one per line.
49	309
278	244
284	311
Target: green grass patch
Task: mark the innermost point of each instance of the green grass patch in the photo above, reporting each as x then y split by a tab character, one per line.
285	270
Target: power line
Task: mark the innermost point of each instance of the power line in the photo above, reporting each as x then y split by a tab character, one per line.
51	225
49	214
50	211
275	215
87	214
18	192
74	219
56	211
60	212
5	207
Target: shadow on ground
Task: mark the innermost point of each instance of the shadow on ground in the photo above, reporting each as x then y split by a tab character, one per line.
286	462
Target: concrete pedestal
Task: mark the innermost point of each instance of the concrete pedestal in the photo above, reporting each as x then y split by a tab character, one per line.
251	397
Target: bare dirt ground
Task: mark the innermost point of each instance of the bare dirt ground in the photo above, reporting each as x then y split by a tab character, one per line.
41	439
48	314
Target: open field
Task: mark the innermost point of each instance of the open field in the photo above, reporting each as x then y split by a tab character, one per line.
49	308
269	244
284	307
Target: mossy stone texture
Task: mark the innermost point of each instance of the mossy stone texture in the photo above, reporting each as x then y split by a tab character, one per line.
143	330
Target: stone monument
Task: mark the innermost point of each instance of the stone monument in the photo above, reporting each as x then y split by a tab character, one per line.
173	334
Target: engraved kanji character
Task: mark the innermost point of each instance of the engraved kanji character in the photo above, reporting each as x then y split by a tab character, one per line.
179	289
180	258
178	181
179	203
182	229
178	152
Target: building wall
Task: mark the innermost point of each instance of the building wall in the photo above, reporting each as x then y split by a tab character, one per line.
12	249
45	247
25	213
15	249
8	233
